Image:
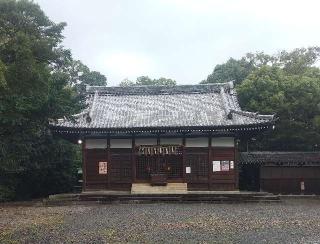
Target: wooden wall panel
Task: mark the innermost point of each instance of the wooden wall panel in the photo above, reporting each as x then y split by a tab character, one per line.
286	180
119	175
224	180
197	159
121	170
94	180
223	153
200	161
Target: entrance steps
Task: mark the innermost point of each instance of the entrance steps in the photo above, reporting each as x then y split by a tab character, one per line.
170	188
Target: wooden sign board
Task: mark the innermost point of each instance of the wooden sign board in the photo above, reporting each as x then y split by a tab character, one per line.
103	168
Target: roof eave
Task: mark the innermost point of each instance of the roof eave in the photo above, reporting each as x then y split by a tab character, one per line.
221	128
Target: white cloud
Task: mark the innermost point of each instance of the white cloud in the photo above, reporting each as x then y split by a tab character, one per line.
129	65
180	39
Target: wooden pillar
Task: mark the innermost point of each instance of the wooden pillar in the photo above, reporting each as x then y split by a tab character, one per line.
236	167
84	166
133	160
210	156
109	162
158	166
184	158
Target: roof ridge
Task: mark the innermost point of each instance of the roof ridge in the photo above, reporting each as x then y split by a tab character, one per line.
159	89
280	157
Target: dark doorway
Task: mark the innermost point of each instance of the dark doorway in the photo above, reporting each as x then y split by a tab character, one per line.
249	177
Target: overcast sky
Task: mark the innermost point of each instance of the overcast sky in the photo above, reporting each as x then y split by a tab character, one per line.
179	39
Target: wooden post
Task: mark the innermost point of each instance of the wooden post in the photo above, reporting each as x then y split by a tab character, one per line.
109	162
158	166
184	158
210	173
236	167
84	166
133	160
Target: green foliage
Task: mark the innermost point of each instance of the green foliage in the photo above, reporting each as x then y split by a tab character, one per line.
299	60
261	90
236	70
80	74
296	62
38	83
6	193
295	98
286	84
3	82
93	78
54	173
146	81
126	82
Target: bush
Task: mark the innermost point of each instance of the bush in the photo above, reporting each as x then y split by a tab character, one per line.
6	193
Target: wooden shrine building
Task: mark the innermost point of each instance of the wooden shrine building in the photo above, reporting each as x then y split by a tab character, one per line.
158	135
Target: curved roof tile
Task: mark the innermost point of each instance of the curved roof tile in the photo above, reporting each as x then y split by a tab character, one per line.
206	105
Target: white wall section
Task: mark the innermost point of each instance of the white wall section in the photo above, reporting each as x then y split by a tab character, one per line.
171	141
222	142
120	143
96	143
197	142
146	141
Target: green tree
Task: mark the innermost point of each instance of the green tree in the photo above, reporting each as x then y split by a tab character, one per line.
236	70
294	98
146	81
93	78
296	61
35	87
126	82
80	74
165	82
299	60
286	84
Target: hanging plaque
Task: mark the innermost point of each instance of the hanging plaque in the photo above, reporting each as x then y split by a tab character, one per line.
103	168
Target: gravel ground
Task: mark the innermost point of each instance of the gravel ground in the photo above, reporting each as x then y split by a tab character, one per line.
292	221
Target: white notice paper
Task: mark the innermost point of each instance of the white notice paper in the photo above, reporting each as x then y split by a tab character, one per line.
225	166
216	166
103	168
231	165
188	170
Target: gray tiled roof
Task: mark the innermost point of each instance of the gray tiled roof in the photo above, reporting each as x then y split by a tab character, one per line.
209	105
279	157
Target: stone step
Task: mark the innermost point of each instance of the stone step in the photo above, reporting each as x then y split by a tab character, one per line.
149	198
170	188
162	196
